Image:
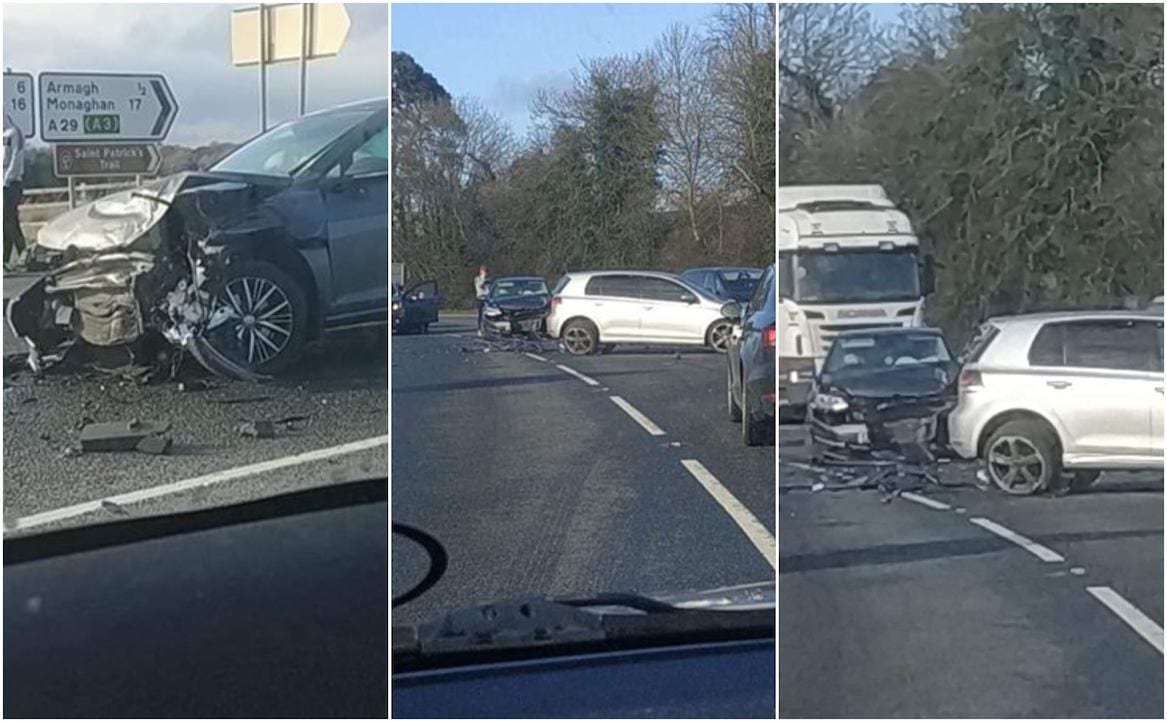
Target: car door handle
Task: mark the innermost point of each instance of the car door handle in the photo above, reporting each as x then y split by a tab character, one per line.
1058	384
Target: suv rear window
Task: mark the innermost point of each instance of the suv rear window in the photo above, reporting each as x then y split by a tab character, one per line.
1121	345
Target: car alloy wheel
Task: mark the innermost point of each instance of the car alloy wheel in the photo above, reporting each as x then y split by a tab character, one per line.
259	316
578	340
1015	465
719	336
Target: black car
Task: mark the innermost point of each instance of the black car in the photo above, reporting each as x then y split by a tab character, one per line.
881	390
515	305
732	283
751	371
242	264
416	307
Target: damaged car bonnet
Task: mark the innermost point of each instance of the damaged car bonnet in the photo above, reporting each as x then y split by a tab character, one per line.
139	261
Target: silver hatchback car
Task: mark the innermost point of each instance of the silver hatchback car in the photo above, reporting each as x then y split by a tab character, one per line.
1049	395
595	310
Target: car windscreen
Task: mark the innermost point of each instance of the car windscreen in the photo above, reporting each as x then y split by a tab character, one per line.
875	352
510	288
282	150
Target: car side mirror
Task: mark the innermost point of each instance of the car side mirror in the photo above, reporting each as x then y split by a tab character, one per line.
928	275
732	311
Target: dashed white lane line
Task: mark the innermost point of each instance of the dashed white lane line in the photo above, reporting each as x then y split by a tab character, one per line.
930	503
1129	613
1043	553
755	530
638	417
535	356
586	379
216	477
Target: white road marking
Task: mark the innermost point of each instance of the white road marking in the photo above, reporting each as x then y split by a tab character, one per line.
216	477
755	530
586	379
1041	552
535	356
930	503
1130	614
638	417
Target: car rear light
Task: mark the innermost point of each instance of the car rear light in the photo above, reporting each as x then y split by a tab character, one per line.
770	336
970	378
556	300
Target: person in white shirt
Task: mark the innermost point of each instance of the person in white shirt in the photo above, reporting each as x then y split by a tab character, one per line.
481	290
13	188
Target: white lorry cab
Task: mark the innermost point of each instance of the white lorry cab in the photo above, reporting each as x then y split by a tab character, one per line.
847	259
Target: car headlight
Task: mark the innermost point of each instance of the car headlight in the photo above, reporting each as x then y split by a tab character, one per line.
830	402
492	312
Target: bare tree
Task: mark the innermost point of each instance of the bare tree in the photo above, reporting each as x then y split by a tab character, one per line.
685	102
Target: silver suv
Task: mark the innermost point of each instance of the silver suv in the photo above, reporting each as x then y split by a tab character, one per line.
1046	395
592	311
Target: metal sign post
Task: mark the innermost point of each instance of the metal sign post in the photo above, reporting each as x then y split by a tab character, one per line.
283	32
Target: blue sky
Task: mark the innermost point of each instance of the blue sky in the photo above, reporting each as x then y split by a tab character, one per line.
503	54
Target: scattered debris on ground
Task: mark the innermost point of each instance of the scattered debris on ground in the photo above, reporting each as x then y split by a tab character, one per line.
261	429
119	435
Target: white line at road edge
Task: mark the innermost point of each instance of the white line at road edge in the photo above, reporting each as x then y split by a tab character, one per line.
537	357
216	477
1041	552
930	503
757	532
586	379
638	417
1130	614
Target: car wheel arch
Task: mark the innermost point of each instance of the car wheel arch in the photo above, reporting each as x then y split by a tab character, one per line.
585	319
1000	419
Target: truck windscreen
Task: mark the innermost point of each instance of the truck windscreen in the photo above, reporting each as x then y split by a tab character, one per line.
867	276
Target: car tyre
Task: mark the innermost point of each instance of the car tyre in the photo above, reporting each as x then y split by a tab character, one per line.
273	290
580	337
752	429
1022	457
717	335
735	410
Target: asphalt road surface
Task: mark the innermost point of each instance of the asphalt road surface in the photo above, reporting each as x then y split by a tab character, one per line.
963	602
538	482
338	390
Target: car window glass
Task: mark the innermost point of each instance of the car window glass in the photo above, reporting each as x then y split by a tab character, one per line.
282	150
613	286
372	156
1159	346
427	289
660	289
1121	345
763	290
1047	348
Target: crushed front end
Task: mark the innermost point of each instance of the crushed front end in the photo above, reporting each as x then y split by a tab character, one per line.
122	268
846	427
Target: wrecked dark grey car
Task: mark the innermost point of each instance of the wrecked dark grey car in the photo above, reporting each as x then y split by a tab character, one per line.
240	266
882	390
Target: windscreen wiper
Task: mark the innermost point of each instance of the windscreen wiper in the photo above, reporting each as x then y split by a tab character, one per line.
536	627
